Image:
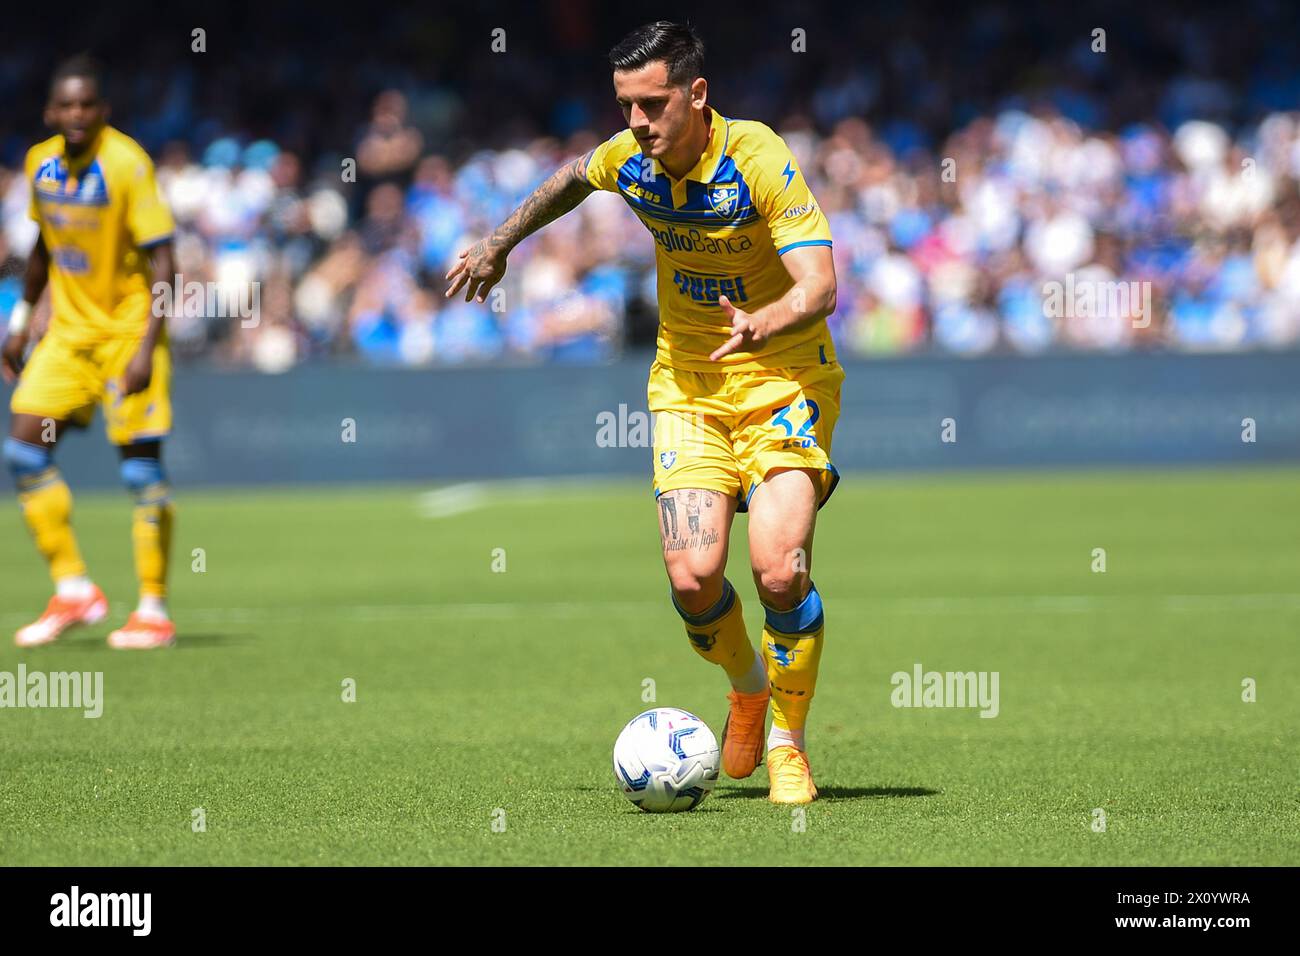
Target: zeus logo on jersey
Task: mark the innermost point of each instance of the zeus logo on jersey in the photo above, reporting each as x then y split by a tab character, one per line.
695	240
640	192
708	288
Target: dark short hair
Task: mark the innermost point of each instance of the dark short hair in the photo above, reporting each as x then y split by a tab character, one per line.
82	66
677	45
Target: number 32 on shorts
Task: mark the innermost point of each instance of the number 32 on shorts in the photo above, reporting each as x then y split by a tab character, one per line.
804	437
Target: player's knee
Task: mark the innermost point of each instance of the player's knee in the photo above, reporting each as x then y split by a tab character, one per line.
781	584
24	459
804	616
143	476
695	589
704	603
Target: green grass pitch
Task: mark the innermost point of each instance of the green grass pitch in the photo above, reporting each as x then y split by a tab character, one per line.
480	691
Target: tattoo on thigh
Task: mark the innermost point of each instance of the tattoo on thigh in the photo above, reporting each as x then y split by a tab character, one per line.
693	511
668	515
694	503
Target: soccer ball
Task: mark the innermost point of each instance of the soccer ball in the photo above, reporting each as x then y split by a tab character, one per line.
666	760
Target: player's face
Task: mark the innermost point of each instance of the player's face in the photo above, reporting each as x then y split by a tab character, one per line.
658	114
76	110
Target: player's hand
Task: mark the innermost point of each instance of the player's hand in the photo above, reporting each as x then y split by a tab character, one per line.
745	332
11	355
139	371
478	269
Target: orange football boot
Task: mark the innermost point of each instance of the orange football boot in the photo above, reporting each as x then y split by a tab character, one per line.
60	614
742	734
143	633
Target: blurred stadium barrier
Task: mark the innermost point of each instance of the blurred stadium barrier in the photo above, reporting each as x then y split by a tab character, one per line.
246	428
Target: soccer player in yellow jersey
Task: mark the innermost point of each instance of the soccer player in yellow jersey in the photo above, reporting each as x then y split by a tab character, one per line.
105	236
745	387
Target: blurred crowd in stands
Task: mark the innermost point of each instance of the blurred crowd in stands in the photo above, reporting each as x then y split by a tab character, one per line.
956	191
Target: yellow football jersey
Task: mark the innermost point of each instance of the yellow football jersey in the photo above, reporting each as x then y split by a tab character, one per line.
721	230
97	213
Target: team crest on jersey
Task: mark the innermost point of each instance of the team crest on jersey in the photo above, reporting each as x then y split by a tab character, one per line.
724	198
667	459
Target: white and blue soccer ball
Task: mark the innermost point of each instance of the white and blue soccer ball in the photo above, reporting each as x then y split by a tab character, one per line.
666	760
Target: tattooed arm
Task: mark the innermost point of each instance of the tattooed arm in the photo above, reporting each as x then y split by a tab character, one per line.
482	265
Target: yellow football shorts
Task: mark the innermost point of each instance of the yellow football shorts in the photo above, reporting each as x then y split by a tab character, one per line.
724	431
65	382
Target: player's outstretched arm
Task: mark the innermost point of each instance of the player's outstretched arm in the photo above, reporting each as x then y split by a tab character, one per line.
34	279
482	265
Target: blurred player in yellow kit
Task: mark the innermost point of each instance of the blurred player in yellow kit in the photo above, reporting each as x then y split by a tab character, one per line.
745	386
105	238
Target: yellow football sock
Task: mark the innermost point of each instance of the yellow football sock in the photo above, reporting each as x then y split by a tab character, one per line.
151	533
792	650
47	508
718	635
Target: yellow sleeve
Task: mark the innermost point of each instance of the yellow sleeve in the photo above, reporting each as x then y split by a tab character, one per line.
604	162
147	215
783	199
